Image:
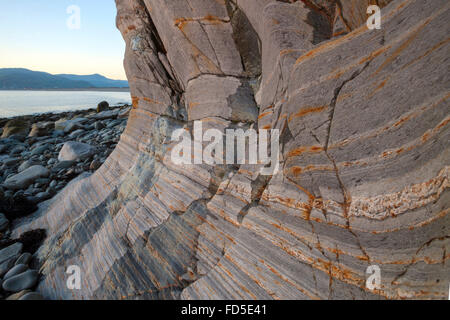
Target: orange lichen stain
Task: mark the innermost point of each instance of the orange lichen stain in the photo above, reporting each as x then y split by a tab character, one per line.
131	27
213	19
401	121
147	113
336	34
226	218
296	171
379	87
246	172
287	51
267	126
135	101
382	84
386	154
193	104
426	136
331	44
262	115
311	168
181	22
288	202
442	124
337	74
282	117
308	149
374	54
151	100
436	46
303	112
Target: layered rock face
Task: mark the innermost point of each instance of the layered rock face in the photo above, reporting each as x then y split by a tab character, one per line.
364	158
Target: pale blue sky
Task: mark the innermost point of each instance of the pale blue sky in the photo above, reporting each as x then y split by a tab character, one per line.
34	35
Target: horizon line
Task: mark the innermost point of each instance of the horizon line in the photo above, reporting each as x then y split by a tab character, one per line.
56	74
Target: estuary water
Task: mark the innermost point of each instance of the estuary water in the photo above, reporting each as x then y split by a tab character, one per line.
21	102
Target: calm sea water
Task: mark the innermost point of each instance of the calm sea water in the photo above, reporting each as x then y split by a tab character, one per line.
16	103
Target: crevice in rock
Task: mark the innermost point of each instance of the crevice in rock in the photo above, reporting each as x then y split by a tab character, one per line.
333	102
339	11
259	185
346	196
247	41
413	259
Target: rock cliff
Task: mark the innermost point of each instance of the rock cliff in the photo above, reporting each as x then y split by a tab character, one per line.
364	157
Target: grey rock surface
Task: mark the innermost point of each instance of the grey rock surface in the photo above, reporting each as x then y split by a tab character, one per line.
364	158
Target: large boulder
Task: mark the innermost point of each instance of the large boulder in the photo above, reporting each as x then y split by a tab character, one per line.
72	151
23	179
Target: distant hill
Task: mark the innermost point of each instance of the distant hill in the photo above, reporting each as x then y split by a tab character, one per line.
18	78
97	80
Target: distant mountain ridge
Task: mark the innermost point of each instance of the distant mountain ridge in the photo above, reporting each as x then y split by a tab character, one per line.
20	78
97	80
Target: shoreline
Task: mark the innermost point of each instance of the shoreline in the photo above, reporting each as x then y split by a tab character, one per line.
54	113
39	156
111	89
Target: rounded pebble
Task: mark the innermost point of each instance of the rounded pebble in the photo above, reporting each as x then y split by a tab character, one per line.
21	281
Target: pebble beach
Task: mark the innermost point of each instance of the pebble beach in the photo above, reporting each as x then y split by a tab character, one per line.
39	156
